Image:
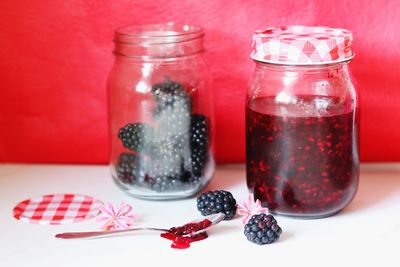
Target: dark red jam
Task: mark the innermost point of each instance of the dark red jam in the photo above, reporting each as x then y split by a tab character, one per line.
303	166
182	242
181	235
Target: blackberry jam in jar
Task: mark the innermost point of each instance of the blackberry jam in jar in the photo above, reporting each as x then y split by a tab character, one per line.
160	112
302	157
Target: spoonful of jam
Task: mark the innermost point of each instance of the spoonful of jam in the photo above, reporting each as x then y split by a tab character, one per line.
192	230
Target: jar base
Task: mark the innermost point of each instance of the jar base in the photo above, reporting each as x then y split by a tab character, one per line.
305	216
144	193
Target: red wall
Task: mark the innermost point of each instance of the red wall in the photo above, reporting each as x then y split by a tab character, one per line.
55	56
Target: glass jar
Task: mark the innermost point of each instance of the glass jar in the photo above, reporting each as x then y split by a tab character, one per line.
302	156
160	112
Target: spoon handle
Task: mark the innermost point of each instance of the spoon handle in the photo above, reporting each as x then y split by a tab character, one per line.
97	234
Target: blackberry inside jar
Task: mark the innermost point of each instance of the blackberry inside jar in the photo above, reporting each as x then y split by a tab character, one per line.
170	154
160	111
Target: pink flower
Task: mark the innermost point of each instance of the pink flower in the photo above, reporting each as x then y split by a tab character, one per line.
116	219
250	208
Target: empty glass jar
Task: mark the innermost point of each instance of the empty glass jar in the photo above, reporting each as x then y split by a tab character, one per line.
302	121
160	111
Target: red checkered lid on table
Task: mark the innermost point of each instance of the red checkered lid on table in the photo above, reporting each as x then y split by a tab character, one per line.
302	45
57	209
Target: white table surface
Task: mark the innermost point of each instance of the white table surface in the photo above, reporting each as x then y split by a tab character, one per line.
366	233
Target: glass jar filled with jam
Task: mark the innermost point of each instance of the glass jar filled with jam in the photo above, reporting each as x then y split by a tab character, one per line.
160	111
302	156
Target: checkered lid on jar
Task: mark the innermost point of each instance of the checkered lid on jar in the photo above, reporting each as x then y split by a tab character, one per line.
302	45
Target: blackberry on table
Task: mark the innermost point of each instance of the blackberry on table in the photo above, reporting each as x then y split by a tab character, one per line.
262	229
213	202
136	136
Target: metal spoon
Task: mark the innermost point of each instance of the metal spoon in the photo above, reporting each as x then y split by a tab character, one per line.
214	218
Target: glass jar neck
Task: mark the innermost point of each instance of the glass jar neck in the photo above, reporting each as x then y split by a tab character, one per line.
158	41
302	69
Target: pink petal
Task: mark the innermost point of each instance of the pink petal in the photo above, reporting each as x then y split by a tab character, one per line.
243	208
251	198
103	210
250	208
120	224
123	224
260	208
107	209
113	218
258	203
124	209
243	212
125	219
112	210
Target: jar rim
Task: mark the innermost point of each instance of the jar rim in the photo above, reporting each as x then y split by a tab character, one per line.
310	64
161	33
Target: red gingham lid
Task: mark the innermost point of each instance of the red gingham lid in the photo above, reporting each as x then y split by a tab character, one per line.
302	45
57	209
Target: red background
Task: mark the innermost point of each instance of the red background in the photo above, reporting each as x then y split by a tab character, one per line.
55	56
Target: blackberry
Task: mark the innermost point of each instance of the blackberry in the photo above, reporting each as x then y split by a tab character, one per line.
130	168
172	183
199	159
166	184
212	202
262	229
200	131
173	109
199	143
136	136
168	165
164	93
173	120
167	157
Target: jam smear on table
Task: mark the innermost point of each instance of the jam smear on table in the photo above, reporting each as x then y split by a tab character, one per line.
181	235
301	164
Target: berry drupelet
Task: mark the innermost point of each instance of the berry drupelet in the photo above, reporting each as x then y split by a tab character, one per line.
262	229
213	202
